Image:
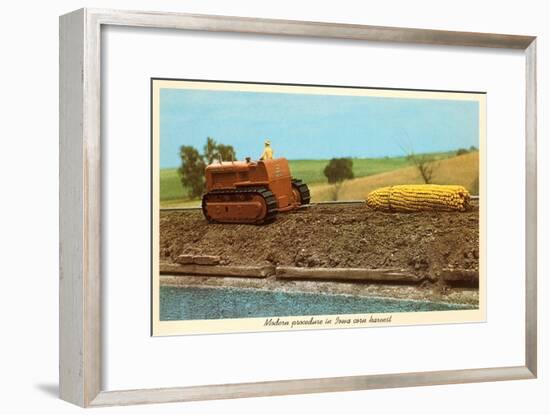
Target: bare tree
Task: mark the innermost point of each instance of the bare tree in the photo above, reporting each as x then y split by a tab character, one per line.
426	164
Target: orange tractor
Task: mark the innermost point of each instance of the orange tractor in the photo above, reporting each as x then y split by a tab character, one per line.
251	191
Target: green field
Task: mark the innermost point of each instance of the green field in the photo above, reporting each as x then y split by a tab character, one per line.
170	185
310	171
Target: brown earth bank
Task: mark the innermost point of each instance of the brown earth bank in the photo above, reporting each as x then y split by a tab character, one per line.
336	236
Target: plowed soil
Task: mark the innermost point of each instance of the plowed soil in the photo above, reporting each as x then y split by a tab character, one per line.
332	236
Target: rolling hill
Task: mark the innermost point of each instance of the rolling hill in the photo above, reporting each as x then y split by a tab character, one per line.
462	170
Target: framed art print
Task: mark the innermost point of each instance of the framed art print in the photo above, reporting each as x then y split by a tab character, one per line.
241	198
384	228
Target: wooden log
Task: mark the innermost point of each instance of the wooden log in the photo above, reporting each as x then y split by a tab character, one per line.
186	259
207	259
217	270
348	274
461	277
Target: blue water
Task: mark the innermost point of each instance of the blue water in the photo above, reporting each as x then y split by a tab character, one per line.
192	303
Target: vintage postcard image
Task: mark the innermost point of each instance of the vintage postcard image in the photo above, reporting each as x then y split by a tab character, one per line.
285	207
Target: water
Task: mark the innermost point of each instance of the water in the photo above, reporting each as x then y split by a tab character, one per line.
193	303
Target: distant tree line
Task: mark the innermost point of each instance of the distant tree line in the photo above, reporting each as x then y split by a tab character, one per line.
462	151
191	170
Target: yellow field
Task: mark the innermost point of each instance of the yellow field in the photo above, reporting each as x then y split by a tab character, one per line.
179	203
461	170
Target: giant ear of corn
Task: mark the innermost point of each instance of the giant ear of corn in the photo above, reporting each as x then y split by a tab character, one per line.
419	197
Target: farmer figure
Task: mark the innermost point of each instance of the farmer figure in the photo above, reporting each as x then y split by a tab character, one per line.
268	151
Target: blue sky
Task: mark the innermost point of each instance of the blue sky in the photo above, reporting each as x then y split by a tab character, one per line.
304	126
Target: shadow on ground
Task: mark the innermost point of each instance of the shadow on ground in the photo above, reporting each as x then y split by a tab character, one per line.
51	389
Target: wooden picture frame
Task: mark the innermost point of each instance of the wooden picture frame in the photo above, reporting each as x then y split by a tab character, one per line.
80	367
